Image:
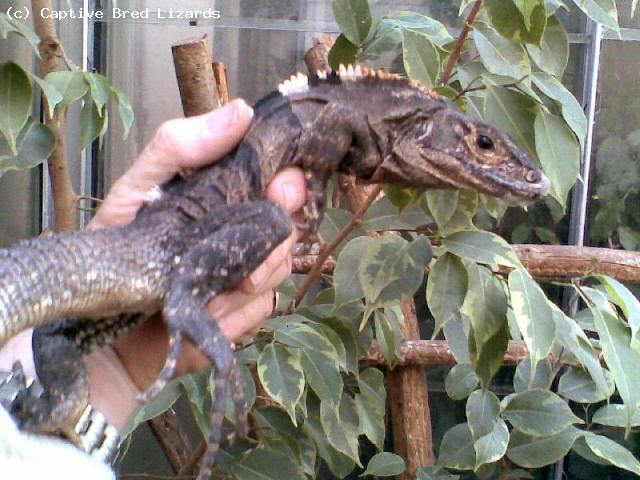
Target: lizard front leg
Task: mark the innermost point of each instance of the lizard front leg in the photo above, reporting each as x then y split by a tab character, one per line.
216	263
338	133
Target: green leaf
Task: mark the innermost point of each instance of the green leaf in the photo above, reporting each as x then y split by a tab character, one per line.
559	154
456	449
615	415
35	143
162	402
482	409
353	18
601	11
442	204
517	20
615	340
513	113
282	377
456	332
538	412
383	215
421	58
629	238
435	473
612	452
533	315
622	297
552	55
405	21
386	38
335	219
53	96
576	342
346	279
384	464
486	307
343	52
371	422
10	25
371	404
500	56
100	89
340	464
392	269
535	452
461	381
496	207
577	385
197	389
124	109
543	375
492	446
267	464
463	213
446	289
481	247
72	85
402	198
388	334
341	426
318	358
92	123
15	97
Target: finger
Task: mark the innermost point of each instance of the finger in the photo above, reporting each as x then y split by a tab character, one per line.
288	189
178	145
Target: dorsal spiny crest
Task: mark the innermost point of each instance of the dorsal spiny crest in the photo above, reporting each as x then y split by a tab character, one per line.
358	72
298	83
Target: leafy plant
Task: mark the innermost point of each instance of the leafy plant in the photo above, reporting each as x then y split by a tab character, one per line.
24	141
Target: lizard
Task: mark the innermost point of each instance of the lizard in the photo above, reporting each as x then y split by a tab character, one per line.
202	232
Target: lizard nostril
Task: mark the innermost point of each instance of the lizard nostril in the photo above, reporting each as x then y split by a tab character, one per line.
531	176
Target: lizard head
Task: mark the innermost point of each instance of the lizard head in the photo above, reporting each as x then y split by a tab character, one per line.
445	149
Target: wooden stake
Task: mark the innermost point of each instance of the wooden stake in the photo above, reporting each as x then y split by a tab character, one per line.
194	72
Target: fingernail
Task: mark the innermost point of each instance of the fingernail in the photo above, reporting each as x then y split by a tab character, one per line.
228	115
259	276
289	193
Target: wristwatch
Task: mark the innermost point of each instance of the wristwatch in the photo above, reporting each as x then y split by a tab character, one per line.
98	438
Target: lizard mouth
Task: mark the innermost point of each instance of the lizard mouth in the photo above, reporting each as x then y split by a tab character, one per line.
526	193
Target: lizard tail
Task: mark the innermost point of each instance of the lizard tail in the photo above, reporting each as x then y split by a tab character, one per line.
46	279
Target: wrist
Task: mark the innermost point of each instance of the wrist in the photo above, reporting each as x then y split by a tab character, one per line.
112	392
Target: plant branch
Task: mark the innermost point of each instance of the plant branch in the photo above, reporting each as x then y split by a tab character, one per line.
51	51
316	270
457	51
515	84
193	461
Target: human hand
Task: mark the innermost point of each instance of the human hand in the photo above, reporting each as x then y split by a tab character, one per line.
119	373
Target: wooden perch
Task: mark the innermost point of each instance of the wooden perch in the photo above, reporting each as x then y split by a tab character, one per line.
564	262
545	262
220	74
194	72
428	353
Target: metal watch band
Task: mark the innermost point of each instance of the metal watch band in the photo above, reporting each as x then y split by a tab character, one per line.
98	438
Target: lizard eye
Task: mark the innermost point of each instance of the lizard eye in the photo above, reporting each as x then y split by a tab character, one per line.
484	142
